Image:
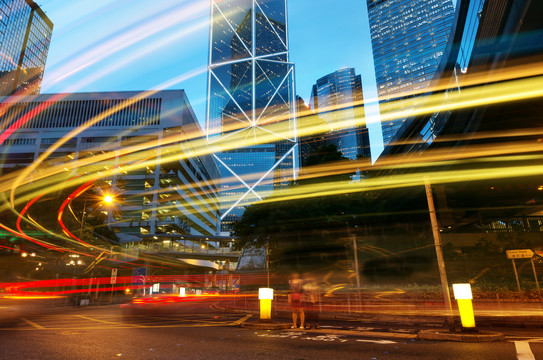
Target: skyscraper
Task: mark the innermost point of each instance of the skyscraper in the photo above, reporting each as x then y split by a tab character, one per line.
25	34
250	115
337	99
408	39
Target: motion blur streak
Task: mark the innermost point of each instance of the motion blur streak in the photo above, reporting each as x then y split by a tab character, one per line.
26	237
28	185
33	297
40	287
24	119
529	69
404	180
496	93
24	175
129	37
22	213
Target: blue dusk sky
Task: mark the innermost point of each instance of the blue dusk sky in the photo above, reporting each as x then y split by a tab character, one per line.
121	45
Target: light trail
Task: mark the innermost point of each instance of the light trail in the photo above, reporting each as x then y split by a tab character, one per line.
127	37
202	149
68	200
29	183
403	181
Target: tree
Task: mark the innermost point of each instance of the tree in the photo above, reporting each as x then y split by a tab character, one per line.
311	231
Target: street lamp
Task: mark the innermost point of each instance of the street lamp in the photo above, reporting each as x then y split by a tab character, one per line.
107	199
74	264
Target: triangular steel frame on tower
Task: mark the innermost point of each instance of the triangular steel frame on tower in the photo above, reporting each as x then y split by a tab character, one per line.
251	119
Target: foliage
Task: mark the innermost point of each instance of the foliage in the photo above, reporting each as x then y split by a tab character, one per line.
317	231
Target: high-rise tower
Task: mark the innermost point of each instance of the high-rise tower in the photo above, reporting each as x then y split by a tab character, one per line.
408	38
25	34
251	107
337	99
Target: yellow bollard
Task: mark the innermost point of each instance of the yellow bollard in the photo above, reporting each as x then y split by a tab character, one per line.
462	293
265	295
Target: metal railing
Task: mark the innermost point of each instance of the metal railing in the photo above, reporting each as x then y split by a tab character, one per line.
515	224
201	247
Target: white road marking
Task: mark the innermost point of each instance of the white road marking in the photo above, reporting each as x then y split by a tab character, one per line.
523	350
378	341
107	322
525	338
326	338
32	323
242	320
296	335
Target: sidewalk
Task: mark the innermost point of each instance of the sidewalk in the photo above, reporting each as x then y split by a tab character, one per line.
424	313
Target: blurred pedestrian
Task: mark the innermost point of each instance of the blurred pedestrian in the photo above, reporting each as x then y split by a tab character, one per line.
311	301
295	300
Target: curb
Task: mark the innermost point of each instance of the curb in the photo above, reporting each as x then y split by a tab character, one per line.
411	319
366	334
483	336
265	325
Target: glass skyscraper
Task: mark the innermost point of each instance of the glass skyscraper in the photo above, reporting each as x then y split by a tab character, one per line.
337	99
250	117
25	34
436	122
408	39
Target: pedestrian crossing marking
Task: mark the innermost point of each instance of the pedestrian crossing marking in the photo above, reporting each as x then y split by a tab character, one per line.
33	324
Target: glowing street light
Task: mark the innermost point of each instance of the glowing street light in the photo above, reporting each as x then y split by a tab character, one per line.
107	199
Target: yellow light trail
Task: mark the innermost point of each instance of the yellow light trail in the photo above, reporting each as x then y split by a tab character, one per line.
464	99
55	178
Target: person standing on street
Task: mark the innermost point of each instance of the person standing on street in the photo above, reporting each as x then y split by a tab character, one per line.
295	300
311	301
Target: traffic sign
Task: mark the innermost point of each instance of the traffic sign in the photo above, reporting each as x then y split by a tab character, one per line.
138	276
113	276
519	254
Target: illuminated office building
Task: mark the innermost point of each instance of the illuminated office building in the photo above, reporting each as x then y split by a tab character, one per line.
25	34
251	108
408	39
148	150
337	99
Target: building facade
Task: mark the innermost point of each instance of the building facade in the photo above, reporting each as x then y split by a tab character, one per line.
337	98
489	38
408	39
251	108
25	34
310	140
147	150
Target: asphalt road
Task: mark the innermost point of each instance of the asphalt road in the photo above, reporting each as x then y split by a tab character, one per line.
198	332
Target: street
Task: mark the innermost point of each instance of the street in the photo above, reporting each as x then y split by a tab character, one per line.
200	332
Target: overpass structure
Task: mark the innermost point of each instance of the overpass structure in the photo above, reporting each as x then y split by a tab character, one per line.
210	248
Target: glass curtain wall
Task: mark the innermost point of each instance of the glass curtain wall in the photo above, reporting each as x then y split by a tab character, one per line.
250	116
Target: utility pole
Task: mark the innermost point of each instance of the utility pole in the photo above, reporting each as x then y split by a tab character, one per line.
83	218
356	271
439	251
355	251
268	263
